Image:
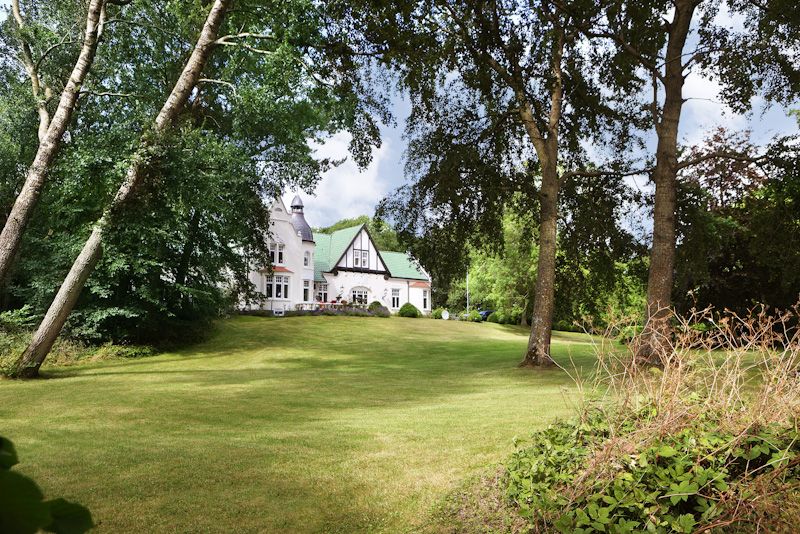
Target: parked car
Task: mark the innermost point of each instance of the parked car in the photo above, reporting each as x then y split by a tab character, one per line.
485	313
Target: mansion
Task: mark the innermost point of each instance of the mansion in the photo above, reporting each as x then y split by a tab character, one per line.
311	270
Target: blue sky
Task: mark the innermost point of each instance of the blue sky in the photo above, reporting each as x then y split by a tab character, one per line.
346	192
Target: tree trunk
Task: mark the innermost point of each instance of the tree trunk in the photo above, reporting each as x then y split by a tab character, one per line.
538	351
21	213
28	364
653	346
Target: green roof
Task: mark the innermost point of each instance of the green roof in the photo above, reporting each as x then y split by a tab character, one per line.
330	248
400	265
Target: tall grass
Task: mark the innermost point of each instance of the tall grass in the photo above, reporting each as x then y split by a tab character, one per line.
706	442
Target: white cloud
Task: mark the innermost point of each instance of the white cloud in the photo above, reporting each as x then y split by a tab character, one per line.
345	192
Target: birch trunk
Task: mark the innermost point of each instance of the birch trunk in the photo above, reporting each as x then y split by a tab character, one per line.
653	346
538	351
31	360
50	133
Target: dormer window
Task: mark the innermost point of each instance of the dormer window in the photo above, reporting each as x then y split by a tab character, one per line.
361	258
276	254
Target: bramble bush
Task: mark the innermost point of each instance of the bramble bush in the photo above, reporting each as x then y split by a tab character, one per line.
707	443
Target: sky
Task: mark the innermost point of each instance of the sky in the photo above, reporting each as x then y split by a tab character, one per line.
345	192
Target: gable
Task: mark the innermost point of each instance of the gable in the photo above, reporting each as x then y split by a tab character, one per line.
361	253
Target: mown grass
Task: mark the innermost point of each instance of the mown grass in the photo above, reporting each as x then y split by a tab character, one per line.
306	424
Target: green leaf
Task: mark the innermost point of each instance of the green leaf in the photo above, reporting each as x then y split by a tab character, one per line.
68	517
667	452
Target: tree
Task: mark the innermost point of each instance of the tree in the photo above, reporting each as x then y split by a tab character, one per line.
744	61
282	91
381	231
50	131
739	227
493	85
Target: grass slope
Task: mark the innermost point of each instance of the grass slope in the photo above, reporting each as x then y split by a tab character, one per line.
306	424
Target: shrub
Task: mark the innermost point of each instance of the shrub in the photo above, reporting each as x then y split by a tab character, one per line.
501	318
328	312
704	444
375	304
514	317
437	313
380	311
409	310
474	316
627	333
494	317
357	312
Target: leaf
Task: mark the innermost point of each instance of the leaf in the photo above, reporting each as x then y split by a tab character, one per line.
68	517
667	452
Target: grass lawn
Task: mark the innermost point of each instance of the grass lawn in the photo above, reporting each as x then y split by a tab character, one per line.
303	424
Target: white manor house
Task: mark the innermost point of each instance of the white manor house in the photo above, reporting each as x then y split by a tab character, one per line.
310	270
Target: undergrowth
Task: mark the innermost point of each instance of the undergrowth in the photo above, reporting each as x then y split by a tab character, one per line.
709	443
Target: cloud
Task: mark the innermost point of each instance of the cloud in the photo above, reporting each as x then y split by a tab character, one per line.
345	192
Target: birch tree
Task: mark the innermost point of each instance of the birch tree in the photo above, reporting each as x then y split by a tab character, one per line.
503	94
50	130
42	341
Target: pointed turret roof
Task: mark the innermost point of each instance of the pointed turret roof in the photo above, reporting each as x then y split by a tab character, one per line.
299	220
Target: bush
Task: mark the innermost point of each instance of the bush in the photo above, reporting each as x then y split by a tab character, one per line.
380	311
437	313
356	312
514	317
675	483
474	316
375	304
501	318
494	317
409	310
627	333
703	444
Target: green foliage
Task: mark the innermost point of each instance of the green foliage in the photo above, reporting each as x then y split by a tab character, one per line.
627	333
494	317
437	313
382	233
474	316
566	326
375	304
679	482
23	509
179	255
409	310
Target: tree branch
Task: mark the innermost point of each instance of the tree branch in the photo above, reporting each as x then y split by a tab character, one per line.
725	155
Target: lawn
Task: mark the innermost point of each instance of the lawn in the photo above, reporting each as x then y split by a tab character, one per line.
303	424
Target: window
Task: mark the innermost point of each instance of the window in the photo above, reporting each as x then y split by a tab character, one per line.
306	289
306	259
361	258
276	286
322	292
269	282
395	298
360	296
424	299
274	249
